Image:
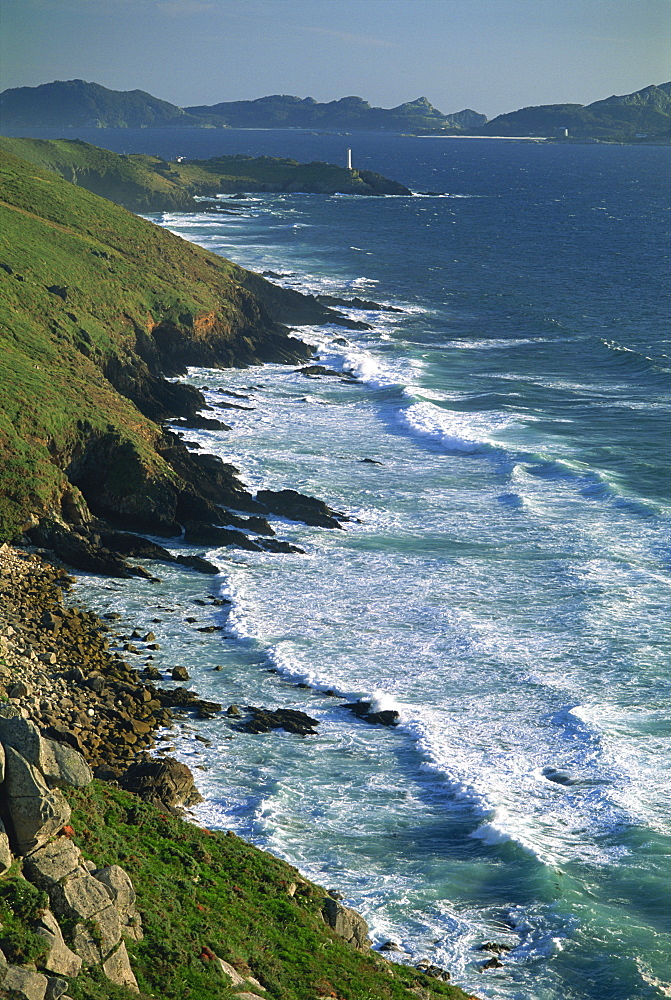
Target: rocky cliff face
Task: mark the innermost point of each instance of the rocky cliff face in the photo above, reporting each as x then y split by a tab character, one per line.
82	913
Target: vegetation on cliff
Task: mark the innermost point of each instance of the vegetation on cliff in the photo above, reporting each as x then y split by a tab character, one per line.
97	306
81	104
199	891
285	111
149	184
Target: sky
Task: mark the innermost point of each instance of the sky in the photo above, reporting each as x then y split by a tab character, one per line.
489	55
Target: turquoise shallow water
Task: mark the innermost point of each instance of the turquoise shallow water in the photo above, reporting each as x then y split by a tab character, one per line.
507	587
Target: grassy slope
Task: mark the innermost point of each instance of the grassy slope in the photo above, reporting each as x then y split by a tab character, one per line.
197	889
124	278
148	183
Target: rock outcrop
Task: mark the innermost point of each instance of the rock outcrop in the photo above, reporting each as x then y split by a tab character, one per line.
90	911
346	923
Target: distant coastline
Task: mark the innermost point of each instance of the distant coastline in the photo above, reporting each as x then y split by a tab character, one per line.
640	117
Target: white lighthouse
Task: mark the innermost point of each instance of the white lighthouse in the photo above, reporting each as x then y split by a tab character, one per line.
349	159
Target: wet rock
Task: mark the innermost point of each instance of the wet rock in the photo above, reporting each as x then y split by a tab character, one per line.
198	422
390	946
355	303
166	783
180	673
495	947
346	923
492	963
182	698
313	371
300	507
264	720
434	971
197	533
276	545
199	564
362	710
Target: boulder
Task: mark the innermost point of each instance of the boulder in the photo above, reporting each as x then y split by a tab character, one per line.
36	813
85	945
55	988
121	891
5	852
79	897
346	923
64	766
167	783
50	864
118	885
24	984
60	765
60	959
117	969
232	974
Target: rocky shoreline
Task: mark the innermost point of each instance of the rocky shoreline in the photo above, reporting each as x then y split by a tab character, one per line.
71	708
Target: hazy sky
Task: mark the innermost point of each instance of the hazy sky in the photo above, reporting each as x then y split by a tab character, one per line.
489	55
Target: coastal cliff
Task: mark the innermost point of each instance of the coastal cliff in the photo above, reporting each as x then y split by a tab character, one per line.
144	183
98	310
105	891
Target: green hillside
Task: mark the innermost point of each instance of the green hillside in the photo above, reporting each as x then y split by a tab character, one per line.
149	184
201	890
642	116
96	306
285	111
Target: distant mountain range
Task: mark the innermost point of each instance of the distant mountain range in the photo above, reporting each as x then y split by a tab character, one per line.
77	104
642	116
281	111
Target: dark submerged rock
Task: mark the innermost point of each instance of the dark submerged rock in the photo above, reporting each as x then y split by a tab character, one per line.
300	507
388	717
264	720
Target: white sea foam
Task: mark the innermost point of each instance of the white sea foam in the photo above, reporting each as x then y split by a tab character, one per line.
455	430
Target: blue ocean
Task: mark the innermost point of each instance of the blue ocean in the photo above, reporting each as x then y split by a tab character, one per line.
505	447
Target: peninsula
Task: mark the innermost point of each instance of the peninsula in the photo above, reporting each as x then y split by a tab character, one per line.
150	184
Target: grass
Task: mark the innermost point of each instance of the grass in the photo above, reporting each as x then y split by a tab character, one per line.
87	287
200	889
148	183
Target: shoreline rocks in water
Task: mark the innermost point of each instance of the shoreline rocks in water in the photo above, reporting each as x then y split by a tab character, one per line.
92	919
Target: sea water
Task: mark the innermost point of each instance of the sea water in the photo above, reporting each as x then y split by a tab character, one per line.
505	585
